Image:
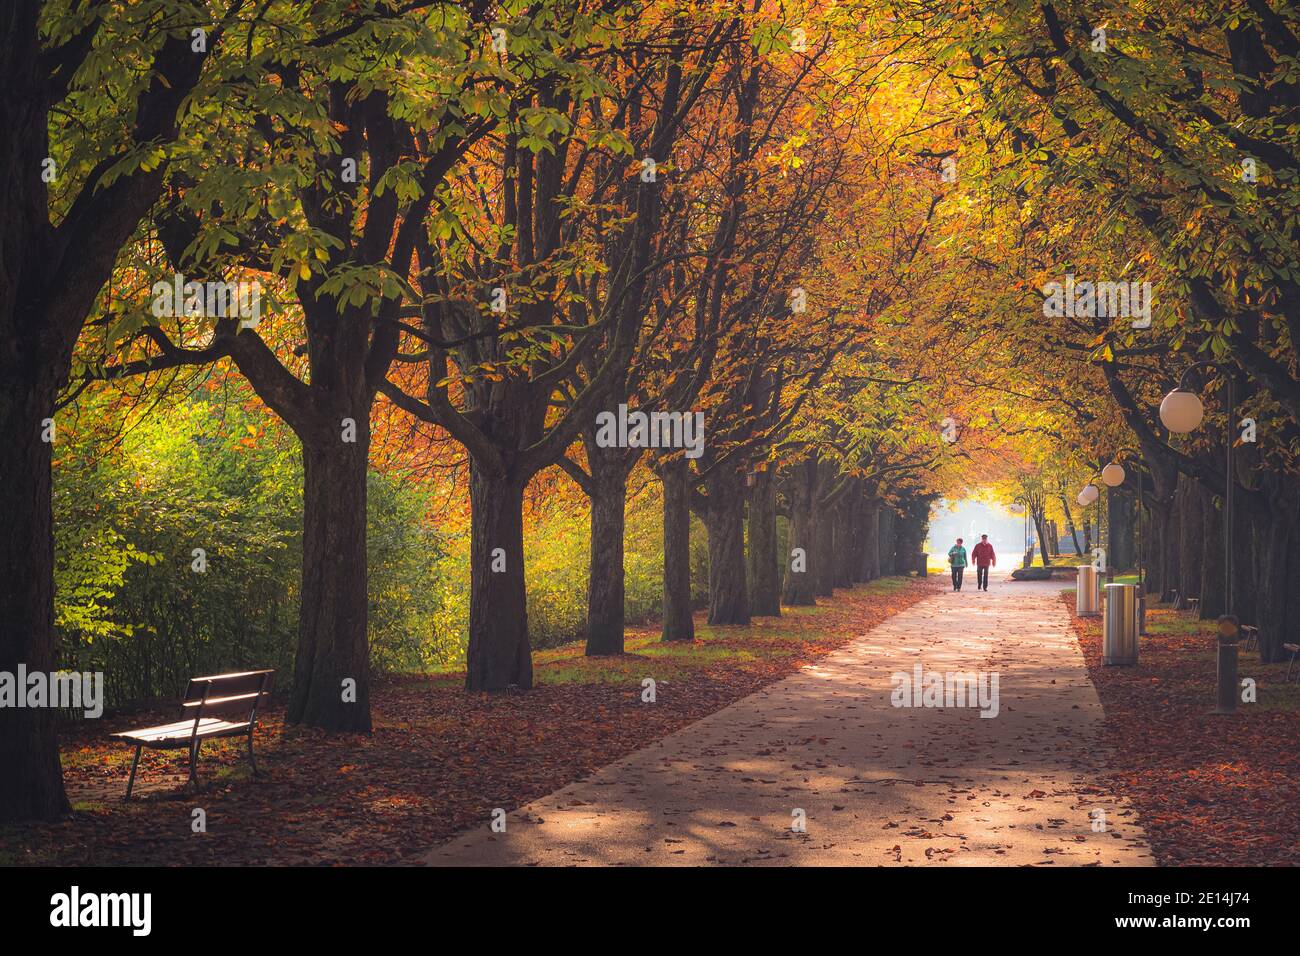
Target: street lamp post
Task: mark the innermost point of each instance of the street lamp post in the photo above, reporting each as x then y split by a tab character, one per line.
1181	411
1091	493
1103	546
1113	476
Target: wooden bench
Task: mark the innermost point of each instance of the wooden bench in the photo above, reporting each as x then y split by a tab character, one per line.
224	705
1192	604
1295	651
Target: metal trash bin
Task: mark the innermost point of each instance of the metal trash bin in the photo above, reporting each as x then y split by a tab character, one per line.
1087	598
1120	630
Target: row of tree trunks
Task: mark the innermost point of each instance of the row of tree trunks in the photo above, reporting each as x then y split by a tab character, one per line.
1185	554
851	539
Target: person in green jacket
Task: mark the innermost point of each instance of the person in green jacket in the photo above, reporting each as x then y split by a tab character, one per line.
957	561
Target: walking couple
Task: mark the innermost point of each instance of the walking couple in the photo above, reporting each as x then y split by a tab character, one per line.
984	559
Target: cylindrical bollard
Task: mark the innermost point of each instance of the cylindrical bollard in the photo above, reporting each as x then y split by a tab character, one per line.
1120	640
1086	597
1226	698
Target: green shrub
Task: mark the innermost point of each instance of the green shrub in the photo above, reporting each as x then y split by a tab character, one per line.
219	473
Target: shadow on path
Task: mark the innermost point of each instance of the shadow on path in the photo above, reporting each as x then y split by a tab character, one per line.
876	784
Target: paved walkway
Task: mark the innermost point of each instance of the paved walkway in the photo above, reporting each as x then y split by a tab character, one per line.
876	784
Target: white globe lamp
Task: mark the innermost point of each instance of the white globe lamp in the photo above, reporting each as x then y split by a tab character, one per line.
1181	411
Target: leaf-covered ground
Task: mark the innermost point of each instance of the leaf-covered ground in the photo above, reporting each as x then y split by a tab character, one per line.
439	759
1211	790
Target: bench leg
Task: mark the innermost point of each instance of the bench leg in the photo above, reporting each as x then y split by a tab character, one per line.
1289	665
252	759
130	782
194	758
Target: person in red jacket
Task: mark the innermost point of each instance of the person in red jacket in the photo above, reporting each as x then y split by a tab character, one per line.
984	557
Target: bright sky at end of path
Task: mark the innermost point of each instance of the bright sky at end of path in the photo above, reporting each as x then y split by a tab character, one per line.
968	519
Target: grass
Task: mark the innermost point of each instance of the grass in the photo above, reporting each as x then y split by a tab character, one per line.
764	640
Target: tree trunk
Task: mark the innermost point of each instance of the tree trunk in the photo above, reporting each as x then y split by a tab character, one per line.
31	779
1044	544
1207	564
858	556
800	585
499	654
725	522
1171	559
333	641
1154	545
1119	512
605	582
843	544
1069	525
1278	614
871	540
678	624
1244	574
886	542
823	565
1174	546
1197	512
764	566
912	530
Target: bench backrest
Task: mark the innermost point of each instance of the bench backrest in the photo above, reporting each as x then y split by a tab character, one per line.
232	697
